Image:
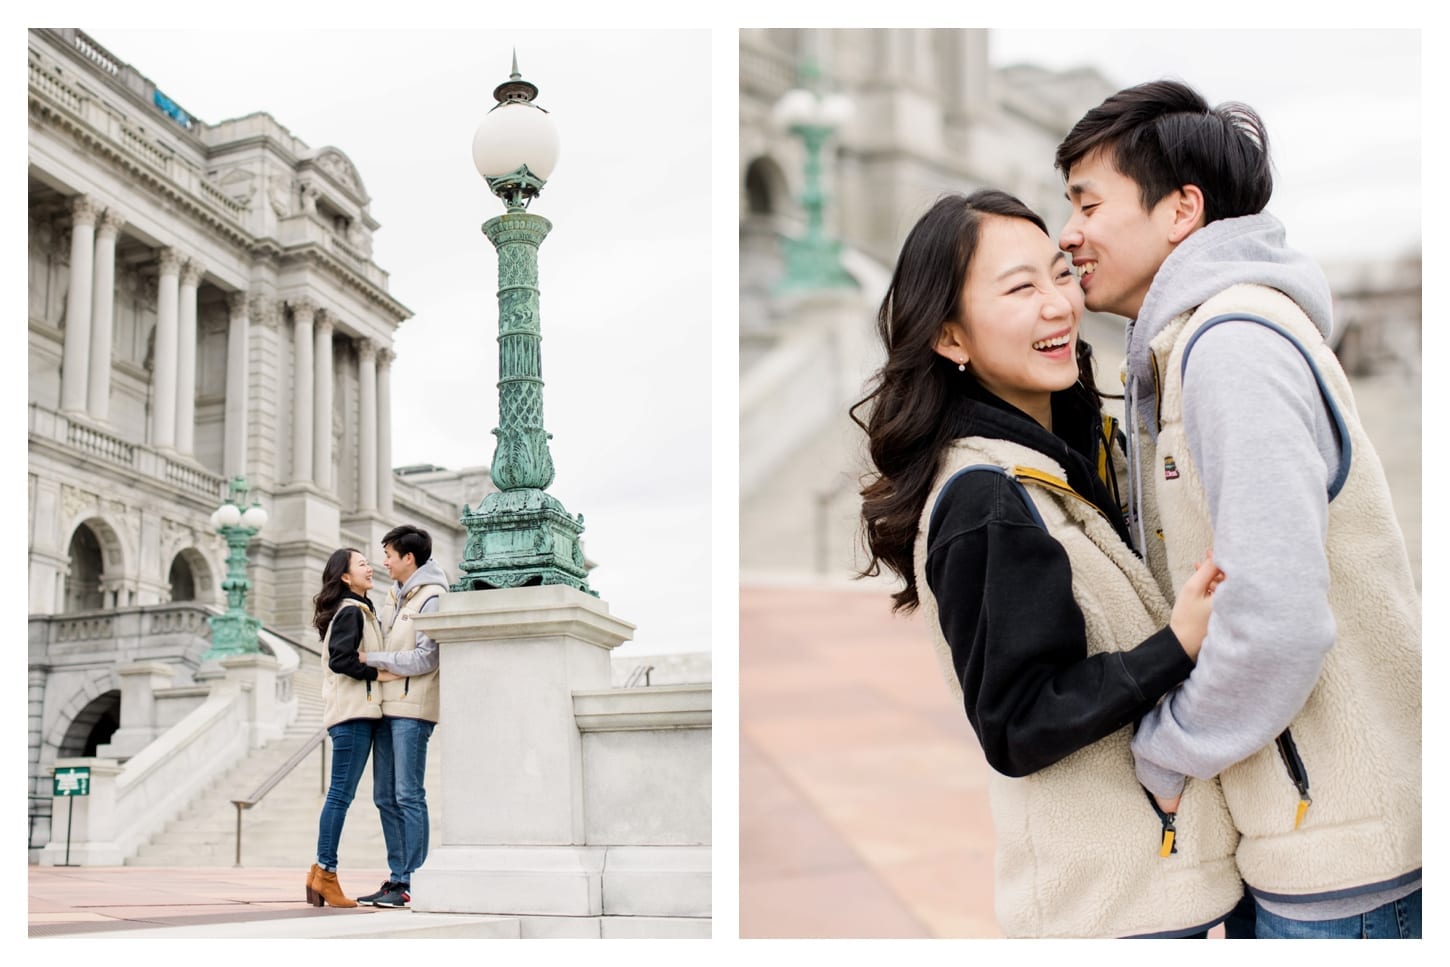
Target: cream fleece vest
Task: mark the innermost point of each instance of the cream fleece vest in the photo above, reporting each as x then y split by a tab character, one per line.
344	697
1078	843
415	697
1359	732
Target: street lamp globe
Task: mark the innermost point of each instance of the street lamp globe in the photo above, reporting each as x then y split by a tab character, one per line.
255	517
227	515
516	144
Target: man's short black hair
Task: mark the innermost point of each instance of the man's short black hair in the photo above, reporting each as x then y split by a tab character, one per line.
406	539
1163	135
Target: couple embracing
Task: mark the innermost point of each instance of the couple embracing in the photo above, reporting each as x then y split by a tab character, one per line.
1186	635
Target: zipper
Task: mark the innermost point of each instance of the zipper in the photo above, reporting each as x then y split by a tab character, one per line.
1170	834
1289	752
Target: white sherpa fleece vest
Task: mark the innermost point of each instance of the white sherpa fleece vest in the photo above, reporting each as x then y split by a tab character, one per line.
343	697
1359	732
415	697
1078	843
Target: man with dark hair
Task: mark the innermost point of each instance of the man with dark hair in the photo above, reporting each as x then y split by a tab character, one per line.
409	706
1305	702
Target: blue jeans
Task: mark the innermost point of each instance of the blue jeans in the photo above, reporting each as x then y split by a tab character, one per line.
351	741
1396	920
400	756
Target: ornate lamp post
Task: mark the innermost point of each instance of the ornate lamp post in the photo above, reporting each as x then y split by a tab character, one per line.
813	261
235	633
520	535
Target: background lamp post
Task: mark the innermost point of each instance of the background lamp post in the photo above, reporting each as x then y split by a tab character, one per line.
235	632
813	261
520	535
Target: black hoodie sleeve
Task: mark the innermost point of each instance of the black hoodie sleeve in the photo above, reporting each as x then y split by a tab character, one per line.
1003	588
342	658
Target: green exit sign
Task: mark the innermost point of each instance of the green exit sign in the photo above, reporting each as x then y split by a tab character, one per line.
73	781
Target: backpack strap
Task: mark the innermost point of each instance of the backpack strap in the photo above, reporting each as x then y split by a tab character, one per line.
1341	429
991	468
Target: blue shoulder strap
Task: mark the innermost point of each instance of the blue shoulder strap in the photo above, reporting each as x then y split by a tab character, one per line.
1017	485
1341	430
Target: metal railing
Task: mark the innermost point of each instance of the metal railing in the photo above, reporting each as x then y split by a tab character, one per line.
641	672
280	773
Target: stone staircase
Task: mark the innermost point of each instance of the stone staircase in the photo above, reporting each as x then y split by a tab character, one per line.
281	830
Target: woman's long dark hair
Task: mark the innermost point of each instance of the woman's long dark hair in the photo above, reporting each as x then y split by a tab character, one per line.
915	397
325	602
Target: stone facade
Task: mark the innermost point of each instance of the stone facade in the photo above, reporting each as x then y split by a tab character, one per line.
202	304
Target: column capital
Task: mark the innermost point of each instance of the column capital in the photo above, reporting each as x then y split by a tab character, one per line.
170	261
110	223
367	350
192	272
302	309
325	320
237	303
386	357
84	210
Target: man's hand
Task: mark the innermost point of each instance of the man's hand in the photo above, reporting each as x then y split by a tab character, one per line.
1168	805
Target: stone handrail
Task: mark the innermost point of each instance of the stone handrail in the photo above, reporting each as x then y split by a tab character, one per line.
129	803
441	509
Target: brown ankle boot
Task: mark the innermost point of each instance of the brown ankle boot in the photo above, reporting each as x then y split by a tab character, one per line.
313	897
329	890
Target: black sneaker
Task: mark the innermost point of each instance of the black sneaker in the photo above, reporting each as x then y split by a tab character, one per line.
379	892
397	896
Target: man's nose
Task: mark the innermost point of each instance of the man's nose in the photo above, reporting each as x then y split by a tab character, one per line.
1071	235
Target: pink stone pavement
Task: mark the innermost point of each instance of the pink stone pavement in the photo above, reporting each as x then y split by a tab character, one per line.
863	806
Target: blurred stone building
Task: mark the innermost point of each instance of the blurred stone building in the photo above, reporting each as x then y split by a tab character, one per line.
930	114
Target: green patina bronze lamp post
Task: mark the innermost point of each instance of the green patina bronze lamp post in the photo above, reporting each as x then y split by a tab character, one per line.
235	633
814	260
520	535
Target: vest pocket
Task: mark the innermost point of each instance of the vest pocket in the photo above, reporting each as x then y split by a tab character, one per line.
1168	844
1289	752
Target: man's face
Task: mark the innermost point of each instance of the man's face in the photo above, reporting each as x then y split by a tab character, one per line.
399	568
1114	243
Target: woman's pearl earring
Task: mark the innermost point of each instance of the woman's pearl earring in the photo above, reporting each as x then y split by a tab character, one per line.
962	366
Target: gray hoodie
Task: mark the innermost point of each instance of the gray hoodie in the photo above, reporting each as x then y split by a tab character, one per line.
424	658
1265	445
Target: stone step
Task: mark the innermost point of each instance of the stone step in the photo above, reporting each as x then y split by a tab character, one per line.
358	924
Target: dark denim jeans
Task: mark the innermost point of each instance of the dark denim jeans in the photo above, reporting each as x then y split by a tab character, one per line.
400	756
351	741
1397	920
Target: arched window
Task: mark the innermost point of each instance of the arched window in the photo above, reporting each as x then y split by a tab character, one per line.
83	582
93	727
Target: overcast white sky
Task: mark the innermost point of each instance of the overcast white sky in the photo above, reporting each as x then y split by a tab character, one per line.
625	274
1342	108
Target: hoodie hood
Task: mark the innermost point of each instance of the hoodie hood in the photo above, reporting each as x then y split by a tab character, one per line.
430	573
1224	253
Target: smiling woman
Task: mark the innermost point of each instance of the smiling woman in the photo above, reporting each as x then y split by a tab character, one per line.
995	501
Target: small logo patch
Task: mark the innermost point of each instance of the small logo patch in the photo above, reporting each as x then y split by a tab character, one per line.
1170	469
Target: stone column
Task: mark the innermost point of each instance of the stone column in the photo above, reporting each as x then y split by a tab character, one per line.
103	312
163	362
322	404
234	450
367	451
186	358
385	432
302	313
75	367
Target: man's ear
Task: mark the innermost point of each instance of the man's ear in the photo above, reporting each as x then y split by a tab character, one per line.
949	343
1188	213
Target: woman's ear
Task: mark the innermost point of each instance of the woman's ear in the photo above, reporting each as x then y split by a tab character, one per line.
950	343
